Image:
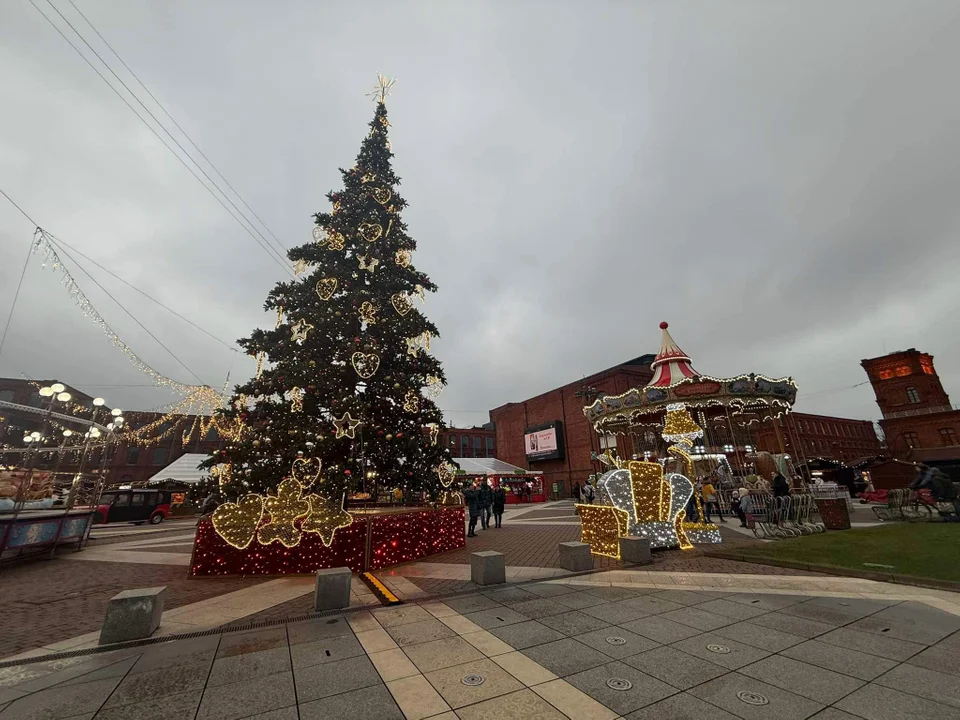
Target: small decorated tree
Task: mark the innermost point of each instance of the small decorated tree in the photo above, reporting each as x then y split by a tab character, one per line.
346	375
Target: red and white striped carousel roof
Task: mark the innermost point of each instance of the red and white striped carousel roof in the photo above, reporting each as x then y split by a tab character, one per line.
671	364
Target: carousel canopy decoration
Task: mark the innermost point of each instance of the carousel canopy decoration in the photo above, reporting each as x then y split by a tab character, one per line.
676	382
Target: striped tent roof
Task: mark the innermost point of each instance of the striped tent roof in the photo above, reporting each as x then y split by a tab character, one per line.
671	364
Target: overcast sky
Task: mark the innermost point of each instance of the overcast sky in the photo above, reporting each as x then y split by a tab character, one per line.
776	179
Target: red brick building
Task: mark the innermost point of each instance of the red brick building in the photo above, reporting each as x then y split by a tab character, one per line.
565	404
475	442
807	436
918	420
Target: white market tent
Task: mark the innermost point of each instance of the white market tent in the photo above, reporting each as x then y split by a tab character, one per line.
490	466
182	470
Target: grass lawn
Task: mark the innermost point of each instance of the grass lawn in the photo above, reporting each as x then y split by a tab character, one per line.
930	550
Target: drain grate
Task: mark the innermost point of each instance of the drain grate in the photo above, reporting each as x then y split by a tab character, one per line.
619	684
472	680
721	649
616	640
752	698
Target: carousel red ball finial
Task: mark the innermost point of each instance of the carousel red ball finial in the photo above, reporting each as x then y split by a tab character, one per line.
663	325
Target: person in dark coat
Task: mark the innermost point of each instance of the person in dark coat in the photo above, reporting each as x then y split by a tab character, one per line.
780	486
471	498
499	500
486	500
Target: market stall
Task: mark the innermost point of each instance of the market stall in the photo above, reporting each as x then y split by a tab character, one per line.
522	486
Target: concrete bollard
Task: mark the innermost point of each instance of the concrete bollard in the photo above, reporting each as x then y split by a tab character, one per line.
332	591
487	568
575	556
132	615
635	550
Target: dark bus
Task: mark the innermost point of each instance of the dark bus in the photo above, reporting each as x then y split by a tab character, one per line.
135	506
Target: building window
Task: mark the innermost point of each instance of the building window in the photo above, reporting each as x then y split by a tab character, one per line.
911	439
912	395
490	451
464	446
947	437
477	446
159	456
133	455
7	395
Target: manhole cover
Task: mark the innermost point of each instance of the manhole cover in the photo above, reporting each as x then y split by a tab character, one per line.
619	684
722	649
472	680
615	640
752	698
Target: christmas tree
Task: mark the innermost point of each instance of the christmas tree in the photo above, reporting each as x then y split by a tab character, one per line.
345	376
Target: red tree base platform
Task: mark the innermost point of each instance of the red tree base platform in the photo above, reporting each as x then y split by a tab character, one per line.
374	540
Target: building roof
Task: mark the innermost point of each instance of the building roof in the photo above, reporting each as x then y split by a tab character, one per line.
183	469
671	364
490	466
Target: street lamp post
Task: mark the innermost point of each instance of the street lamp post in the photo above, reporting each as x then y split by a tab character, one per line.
91	434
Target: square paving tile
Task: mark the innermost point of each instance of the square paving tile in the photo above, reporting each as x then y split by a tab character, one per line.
732	610
819	613
610	594
815	683
660	629
759	637
440	654
652	605
566	657
320	681
61	702
287	713
178	652
157	683
510	595
840	659
496	617
573	622
418	632
871	643
642	689
401	615
242	699
930	684
857	607
804	627
875	702
369	702
545	607
527	634
831	713
179	706
237	668
922	615
310	630
685	597
923	634
729	653
524	704
697	618
449	682
744	696
615	613
551	589
253	641
677	668
682	706
104	671
939	657
324	650
471	603
575	601
766	601
631	645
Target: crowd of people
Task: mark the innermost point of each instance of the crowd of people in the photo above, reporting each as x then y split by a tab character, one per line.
484	501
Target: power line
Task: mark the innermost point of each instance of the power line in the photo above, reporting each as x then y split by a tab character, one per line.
266	247
16	295
173	120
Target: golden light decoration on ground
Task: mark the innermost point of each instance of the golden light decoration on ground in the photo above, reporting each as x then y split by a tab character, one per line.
296	399
601	527
237	522
326	287
325	518
365	364
446	472
403	258
382	195
371	232
368	262
651	493
401	303
306	471
368	312
284	509
299	331
300	267
345	426
336	240
433	386
411	402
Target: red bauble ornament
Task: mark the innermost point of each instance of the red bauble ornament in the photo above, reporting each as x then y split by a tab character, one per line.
346	472
379	432
400	435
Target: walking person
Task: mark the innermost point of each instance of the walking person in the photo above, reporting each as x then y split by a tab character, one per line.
471	498
529	492
736	505
486	500
588	494
499	501
710	499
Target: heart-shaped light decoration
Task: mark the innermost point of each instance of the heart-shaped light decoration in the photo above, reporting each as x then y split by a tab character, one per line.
365	364
306	471
446	472
326	287
237	522
370	232
401	303
382	195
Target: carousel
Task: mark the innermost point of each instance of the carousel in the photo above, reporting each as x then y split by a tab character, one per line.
690	412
